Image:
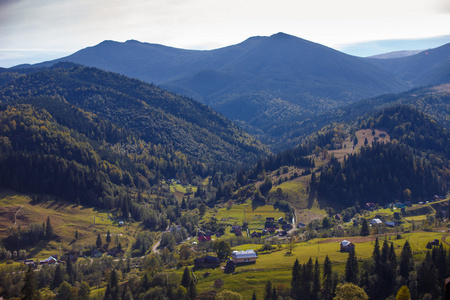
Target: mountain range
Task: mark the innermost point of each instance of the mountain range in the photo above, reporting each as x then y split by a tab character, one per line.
268	85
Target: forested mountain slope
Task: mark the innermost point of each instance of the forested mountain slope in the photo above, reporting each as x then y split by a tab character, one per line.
415	158
154	115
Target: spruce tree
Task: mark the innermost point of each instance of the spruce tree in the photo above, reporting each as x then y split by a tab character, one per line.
48	230
58	277
29	290
186	279
406	261
268	291
351	268
327	278
364	228
112	289
99	242
316	280
254	296
108	237
192	291
295	282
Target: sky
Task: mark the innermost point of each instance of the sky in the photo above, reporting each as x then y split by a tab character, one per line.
33	31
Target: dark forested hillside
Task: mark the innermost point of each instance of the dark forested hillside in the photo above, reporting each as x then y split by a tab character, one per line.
154	115
411	127
416	159
379	173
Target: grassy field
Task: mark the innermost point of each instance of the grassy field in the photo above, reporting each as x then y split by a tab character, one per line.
253	214
277	266
65	218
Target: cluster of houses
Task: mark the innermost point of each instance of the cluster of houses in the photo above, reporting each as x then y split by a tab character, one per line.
270	226
376	222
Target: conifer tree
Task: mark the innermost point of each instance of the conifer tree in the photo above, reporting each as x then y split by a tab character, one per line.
316	280
112	289
351	268
295	282
406	261
48	230
192	291
108	237
76	234
29	290
274	293
99	242
364	228
58	277
268	291
186	279
327	278
254	296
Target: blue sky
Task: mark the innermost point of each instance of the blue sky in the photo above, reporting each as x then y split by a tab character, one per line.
32	31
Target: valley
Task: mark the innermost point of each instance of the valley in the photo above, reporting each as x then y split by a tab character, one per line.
116	188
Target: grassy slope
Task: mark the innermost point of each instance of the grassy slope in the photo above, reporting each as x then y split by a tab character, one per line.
65	218
277	266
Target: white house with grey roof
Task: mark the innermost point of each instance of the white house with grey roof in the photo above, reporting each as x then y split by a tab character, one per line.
242	257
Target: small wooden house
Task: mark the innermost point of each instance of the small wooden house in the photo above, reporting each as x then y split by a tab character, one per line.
347	246
242	257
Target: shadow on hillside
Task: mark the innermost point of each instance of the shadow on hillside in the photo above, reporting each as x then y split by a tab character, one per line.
256	204
311	197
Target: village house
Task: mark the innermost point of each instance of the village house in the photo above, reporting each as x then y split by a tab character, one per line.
236	229
207	262
347	246
48	261
243	257
375	222
391	224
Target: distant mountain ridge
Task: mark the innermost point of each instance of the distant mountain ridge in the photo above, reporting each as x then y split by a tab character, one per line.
396	54
266	84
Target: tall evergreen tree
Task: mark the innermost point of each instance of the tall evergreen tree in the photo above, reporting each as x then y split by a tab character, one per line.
316	281
192	291
70	271
254	296
376	255
268	291
108	237
427	278
186	279
58	277
112	289
351	268
364	227
49	229
99	242
406	261
29	290
327	278
392	256
295	282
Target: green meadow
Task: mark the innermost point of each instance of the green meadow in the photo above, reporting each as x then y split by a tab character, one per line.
277	266
66	218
